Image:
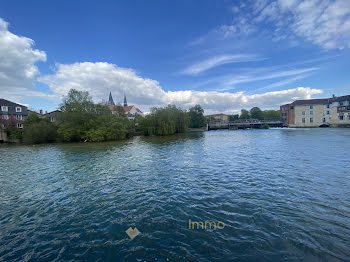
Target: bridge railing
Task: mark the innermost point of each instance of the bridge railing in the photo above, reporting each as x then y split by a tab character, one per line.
254	121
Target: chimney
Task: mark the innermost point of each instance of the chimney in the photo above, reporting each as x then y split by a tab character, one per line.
45	111
333	95
41	111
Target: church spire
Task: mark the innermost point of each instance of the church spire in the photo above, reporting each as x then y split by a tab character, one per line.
110	100
125	102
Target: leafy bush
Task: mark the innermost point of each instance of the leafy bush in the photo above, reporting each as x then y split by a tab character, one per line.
164	121
37	131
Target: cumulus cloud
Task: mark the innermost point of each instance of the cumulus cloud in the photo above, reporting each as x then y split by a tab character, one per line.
231	102
18	73
101	78
17	64
219	60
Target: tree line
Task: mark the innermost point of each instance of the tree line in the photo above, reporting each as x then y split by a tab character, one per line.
256	113
81	120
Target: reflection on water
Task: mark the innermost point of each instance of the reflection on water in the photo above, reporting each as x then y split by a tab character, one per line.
281	193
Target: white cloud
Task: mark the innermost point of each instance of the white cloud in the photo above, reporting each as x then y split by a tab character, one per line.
17	64
283	82
101	78
219	60
325	23
230	102
228	82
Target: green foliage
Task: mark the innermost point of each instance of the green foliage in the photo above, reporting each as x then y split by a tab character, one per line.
16	134
271	114
77	101
164	121
37	130
82	120
196	117
233	117
256	113
244	114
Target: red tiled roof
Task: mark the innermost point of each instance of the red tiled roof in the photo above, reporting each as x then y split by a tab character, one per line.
128	108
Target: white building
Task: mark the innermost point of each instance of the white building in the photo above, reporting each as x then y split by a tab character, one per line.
334	112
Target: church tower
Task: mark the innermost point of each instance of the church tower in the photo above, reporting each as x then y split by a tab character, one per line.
125	102
110	100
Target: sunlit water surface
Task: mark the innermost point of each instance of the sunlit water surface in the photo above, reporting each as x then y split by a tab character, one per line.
282	194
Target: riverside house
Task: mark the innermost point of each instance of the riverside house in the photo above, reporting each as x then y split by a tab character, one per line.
332	112
12	116
217	121
12	113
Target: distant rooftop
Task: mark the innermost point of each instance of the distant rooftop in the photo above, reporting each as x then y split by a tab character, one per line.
321	100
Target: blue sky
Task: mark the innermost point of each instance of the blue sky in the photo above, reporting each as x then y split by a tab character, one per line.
224	55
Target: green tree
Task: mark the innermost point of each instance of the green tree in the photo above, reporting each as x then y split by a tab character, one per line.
271	115
233	117
82	120
38	130
164	121
256	113
244	114
196	117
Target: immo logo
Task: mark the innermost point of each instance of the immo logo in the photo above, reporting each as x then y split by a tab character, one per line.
205	224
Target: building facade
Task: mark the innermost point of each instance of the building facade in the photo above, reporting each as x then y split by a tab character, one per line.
218	117
333	112
12	114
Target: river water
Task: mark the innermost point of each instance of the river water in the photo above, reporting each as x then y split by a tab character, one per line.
277	194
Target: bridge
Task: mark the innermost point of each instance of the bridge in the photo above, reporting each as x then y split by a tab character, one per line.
243	124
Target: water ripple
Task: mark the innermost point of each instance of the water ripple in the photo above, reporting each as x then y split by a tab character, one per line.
282	195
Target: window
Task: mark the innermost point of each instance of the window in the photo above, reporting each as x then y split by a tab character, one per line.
341	103
328	112
18	109
311	107
348	116
303	113
19	117
311	112
292	107
341	117
327	106
5	108
324	120
19	125
303	120
52	119
311	119
6	117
